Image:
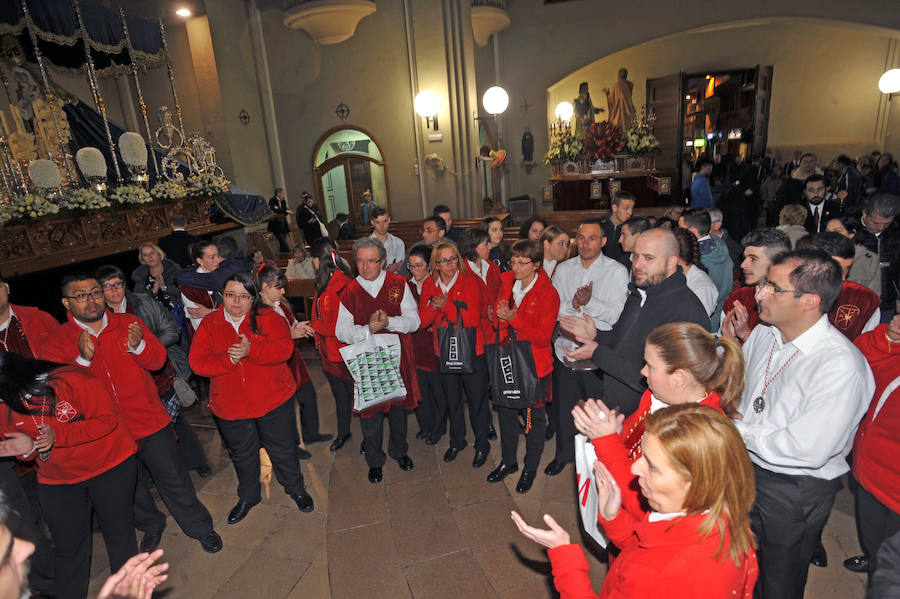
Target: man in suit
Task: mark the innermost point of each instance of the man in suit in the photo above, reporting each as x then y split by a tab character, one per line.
819	211
177	244
277	225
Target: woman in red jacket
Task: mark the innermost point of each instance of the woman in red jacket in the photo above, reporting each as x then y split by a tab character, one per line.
453	284
332	275
243	347
696	475
475	246
683	363
65	417
272	282
528	305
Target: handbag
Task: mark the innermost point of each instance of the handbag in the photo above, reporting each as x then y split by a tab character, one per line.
588	498
322	228
456	344
374	364
514	380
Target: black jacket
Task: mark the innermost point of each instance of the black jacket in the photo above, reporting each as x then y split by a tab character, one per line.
177	246
620	354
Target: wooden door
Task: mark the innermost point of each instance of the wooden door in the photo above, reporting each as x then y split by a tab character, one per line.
664	99
761	110
360	177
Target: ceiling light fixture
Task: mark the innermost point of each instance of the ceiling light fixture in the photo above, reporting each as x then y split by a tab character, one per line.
183	12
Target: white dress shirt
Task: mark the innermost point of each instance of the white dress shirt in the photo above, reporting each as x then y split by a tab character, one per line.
396	249
608	294
235	324
519	292
812	408
5	324
407	322
550	267
479	270
703	287
446	287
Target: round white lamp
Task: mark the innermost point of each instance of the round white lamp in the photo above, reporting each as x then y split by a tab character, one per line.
426	105
564	111
890	82
495	100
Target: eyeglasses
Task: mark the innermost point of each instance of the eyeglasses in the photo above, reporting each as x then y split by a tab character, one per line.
368	261
237	296
769	287
416	266
522	262
450	260
83	297
117	285
429	230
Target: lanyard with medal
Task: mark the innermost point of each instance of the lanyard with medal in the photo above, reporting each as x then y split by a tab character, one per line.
759	404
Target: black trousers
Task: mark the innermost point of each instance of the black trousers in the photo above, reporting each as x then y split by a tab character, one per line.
875	522
67	512
309	411
534	438
189	448
277	433
571	387
158	453
431	413
342	389
373	436
475	386
787	519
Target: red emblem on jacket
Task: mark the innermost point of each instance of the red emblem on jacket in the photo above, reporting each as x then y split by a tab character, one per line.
65	411
845	315
395	295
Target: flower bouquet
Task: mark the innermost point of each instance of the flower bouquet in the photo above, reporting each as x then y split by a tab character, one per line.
602	141
564	147
84	199
168	190
133	150
639	138
131	194
44	174
25	208
207	185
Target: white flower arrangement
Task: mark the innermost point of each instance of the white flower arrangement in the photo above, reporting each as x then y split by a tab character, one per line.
131	194
44	174
168	190
91	163
133	149
85	199
208	185
22	208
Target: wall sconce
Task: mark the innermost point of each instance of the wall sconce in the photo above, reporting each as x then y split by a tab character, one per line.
564	111
890	83
426	105
495	100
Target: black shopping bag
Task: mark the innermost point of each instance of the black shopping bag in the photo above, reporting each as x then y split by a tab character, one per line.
514	380
457	345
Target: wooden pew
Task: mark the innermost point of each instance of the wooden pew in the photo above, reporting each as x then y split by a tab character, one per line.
304	289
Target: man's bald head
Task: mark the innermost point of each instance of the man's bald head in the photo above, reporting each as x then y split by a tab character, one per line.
655	257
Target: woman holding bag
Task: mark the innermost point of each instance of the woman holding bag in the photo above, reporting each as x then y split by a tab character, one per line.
528	305
452	283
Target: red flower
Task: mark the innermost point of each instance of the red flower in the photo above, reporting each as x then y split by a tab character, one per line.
603	141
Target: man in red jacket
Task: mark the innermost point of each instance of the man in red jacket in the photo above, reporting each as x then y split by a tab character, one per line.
121	350
22	328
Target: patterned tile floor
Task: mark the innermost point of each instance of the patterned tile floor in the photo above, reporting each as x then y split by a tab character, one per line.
438	531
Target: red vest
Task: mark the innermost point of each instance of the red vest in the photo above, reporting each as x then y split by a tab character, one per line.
296	363
201	297
423	341
853	309
747	296
362	305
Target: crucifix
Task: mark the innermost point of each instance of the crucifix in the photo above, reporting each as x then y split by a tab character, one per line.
526	106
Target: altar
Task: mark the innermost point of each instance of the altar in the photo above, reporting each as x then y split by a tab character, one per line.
592	191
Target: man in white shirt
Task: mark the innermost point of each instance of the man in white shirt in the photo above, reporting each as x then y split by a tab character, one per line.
393	245
806	389
379	301
593	284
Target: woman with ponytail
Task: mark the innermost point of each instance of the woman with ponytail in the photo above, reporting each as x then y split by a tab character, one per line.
683	364
694	271
332	275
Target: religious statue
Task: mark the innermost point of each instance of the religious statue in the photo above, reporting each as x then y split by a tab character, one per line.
584	110
621	108
528	145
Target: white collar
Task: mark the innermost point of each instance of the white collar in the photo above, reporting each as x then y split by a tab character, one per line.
661	517
87	328
5	324
234	323
418	284
704	238
809	339
120	307
372	287
480	268
448	287
519	292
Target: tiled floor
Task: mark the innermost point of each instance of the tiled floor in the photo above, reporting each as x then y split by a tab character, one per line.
438	531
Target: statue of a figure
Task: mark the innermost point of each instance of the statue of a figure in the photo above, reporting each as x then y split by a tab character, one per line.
528	145
621	108
584	110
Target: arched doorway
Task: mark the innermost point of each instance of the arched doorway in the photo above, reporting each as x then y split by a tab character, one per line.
348	161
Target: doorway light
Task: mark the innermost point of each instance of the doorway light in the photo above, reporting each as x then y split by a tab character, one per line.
183	12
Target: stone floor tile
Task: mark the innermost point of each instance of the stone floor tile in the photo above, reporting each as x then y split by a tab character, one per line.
250	532
263	576
466	485
362	562
353	500
420	532
534	588
201	575
297	536
314	583
449	577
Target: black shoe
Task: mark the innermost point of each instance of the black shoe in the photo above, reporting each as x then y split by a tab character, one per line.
525	481
204	471
555	467
451	454
548	434
421	435
362	448
375	475
819	557
318	438
339	442
304	501
492	434
432	440
857	563
150	541
480	459
405	463
240	511
501	472
211	543
303	454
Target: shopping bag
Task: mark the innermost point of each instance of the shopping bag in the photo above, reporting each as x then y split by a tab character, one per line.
374	364
514	380
588	498
322	228
456	344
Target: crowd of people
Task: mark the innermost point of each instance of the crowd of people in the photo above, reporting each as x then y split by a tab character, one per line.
721	385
